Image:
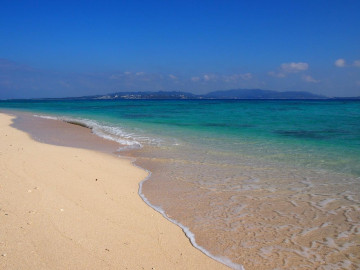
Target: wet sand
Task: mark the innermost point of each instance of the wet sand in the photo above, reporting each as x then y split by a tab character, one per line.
71	208
60	133
259	215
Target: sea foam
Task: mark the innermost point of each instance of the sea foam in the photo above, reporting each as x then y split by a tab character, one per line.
113	133
190	235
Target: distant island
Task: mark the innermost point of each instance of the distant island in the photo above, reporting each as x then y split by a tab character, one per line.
222	94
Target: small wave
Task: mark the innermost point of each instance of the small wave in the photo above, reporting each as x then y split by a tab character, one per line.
46	117
77	123
111	133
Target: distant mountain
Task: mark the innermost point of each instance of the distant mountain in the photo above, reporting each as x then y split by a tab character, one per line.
149	95
260	94
225	94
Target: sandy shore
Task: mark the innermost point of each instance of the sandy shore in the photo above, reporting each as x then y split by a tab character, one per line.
70	208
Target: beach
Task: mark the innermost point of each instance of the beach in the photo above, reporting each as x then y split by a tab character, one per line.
247	191
71	208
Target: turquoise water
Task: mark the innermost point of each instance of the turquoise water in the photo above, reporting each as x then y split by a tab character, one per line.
262	184
323	133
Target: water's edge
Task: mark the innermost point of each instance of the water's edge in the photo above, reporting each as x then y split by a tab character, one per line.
186	230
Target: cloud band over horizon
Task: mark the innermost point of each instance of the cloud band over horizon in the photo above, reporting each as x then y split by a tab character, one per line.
23	81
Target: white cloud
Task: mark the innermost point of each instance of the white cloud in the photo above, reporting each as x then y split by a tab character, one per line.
308	78
287	68
140	73
236	77
172	77
340	62
115	76
294	67
246	76
210	77
121	75
207	77
195	79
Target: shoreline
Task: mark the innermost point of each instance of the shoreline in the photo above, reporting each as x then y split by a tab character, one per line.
239	199
75	130
188	233
172	248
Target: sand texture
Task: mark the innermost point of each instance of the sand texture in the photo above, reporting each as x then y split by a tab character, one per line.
70	208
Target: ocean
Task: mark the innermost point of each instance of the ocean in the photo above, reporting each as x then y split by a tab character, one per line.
259	184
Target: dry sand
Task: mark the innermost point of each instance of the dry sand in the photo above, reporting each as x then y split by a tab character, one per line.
70	208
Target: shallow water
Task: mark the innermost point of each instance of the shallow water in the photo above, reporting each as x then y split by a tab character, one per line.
266	184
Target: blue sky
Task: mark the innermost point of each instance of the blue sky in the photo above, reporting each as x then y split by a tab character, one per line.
74	48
